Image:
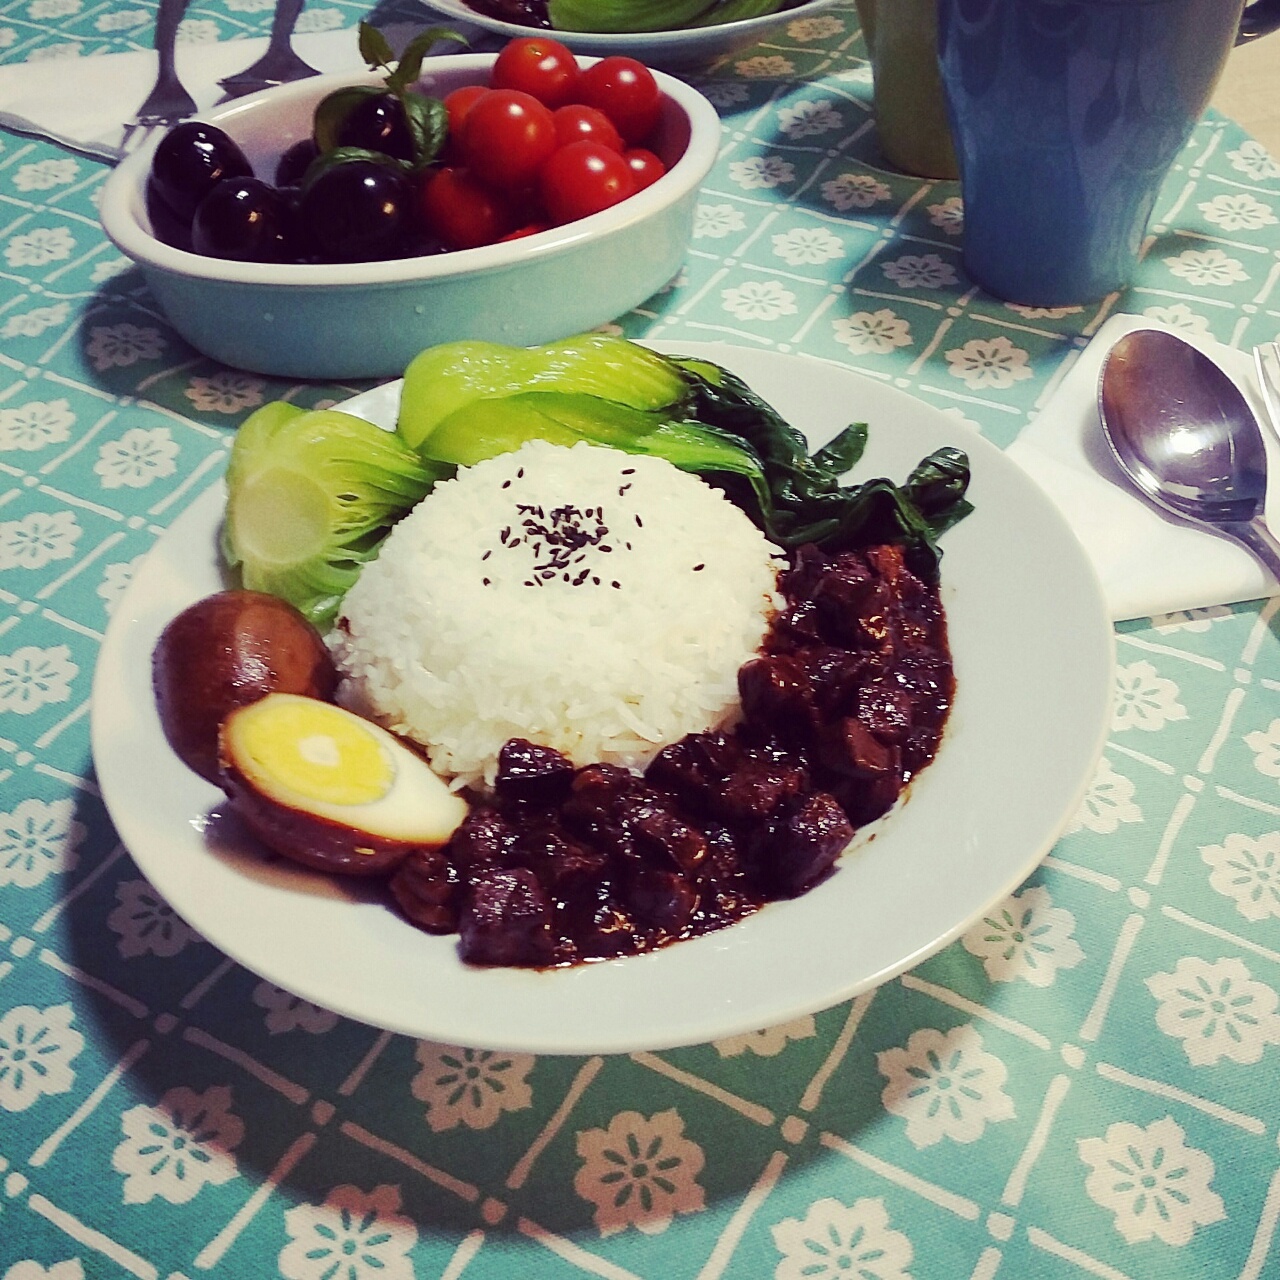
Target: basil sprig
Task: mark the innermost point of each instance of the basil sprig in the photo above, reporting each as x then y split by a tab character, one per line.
426	117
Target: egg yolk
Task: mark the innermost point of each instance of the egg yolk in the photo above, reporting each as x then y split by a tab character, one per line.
319	752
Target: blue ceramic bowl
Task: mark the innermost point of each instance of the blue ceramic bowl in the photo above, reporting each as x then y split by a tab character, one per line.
368	320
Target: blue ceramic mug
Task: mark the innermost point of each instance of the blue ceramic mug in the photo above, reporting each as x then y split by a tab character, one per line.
1066	117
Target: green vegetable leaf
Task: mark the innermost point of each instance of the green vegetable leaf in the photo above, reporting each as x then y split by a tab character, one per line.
327	160
428	120
375	48
334	108
409	68
310	497
615	16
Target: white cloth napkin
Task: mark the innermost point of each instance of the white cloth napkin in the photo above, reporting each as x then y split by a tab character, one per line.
1148	563
88	101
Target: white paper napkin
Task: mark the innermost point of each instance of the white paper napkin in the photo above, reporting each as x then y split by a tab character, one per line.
1148	563
88	101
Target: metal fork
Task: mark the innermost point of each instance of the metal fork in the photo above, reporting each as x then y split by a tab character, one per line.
279	64
1266	360
168	101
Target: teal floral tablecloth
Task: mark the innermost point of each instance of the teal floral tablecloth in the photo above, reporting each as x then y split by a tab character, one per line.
1085	1085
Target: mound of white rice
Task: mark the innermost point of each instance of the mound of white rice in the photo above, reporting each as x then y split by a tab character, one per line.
586	599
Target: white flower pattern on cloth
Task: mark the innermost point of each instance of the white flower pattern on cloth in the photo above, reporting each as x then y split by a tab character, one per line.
762	173
123	20
765	68
948	216
1265	745
769	1041
36	425
866	333
1210	268
1248	872
920	271
1025	936
145	923
1108	803
37	1048
1156	1185
39	247
853	191
1218	1010
639	1172
1144	699
1237	212
118	346
835	1241
38	539
470	1087
944	1085
115	581
807	246
353	1235
1254	161
715	221
173	1150
759	300
137	459
38	839
32	678
45	9
805	119
725	95
988	362
30	1269
1179	316
226	392
803	30
45	175
287	1012
1041	313
31	324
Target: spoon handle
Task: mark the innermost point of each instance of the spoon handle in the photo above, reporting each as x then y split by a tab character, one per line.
1255	535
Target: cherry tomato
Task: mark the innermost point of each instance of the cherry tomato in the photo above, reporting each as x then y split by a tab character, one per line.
506	137
459	103
578	122
461	211
645	167
626	92
538	66
582	179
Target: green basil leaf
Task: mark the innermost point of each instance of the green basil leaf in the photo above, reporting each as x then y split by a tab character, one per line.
409	67
428	124
332	110
375	48
327	160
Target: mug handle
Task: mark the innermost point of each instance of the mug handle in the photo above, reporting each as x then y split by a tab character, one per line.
1259	19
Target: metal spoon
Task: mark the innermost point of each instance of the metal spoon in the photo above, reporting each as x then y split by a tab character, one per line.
1185	435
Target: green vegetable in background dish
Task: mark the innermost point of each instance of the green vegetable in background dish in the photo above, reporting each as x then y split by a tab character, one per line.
310	496
617	16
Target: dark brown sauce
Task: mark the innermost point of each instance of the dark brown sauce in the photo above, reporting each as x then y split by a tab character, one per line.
845	704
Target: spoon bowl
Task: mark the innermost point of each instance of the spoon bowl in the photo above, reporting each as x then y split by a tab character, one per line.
1187	438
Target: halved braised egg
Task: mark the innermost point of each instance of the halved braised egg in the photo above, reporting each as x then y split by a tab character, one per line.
327	788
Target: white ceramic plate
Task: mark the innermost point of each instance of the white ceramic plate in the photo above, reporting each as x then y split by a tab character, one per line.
667	50
1033	658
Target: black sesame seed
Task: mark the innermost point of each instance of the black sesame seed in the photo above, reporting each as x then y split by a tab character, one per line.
506	484
698	568
639	522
